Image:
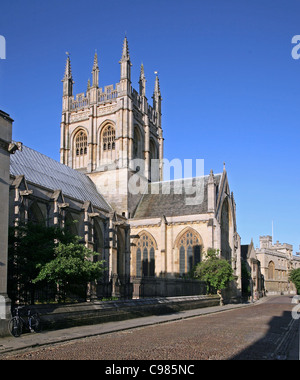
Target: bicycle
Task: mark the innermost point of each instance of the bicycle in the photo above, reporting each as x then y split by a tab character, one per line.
18	323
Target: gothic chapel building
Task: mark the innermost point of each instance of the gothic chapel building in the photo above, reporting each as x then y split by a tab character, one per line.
110	179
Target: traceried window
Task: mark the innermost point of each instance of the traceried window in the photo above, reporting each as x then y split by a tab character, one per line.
80	150
145	256
81	144
189	246
108	152
108	138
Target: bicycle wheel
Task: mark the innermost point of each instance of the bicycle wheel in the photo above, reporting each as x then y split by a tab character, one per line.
15	327
36	322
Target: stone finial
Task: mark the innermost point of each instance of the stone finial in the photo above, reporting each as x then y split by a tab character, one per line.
125	67
68	79
211	193
156	87
142	81
211	178
125	51
95	66
142	72
95	71
68	71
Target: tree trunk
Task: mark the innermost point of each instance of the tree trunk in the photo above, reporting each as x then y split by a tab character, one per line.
219	292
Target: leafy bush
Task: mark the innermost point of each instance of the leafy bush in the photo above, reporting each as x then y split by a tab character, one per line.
295	278
72	264
216	272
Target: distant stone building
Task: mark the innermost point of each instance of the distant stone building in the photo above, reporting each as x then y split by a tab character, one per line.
274	262
112	146
252	278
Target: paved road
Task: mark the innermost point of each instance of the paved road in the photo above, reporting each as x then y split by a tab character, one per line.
254	332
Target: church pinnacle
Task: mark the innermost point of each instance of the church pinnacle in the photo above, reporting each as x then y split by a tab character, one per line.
142	81
157	96
156	87
125	51
68	71
125	78
68	79
95	61
95	71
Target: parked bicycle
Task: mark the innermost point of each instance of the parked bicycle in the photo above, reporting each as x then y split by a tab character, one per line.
19	324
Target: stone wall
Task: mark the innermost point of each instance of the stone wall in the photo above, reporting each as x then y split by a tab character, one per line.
5	139
63	316
167	287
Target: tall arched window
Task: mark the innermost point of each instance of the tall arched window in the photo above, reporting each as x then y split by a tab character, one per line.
137	144
145	256
80	149
108	138
271	271
153	167
189	248
108	145
81	143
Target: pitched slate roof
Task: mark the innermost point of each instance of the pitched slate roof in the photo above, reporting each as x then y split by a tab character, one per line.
44	171
173	198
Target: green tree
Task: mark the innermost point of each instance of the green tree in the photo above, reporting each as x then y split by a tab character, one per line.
295	278
216	272
29	246
72	264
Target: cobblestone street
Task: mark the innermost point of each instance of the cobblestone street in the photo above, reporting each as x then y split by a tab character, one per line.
254	332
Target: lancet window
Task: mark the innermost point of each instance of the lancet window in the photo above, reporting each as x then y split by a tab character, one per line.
145	256
189	247
81	143
108	139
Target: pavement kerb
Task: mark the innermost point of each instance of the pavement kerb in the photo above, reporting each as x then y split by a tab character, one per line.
32	341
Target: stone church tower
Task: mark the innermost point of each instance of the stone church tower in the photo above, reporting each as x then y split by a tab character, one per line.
113	134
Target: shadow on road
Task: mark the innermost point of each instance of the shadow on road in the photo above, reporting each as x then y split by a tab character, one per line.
280	339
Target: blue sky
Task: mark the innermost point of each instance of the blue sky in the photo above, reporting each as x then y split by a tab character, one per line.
230	87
